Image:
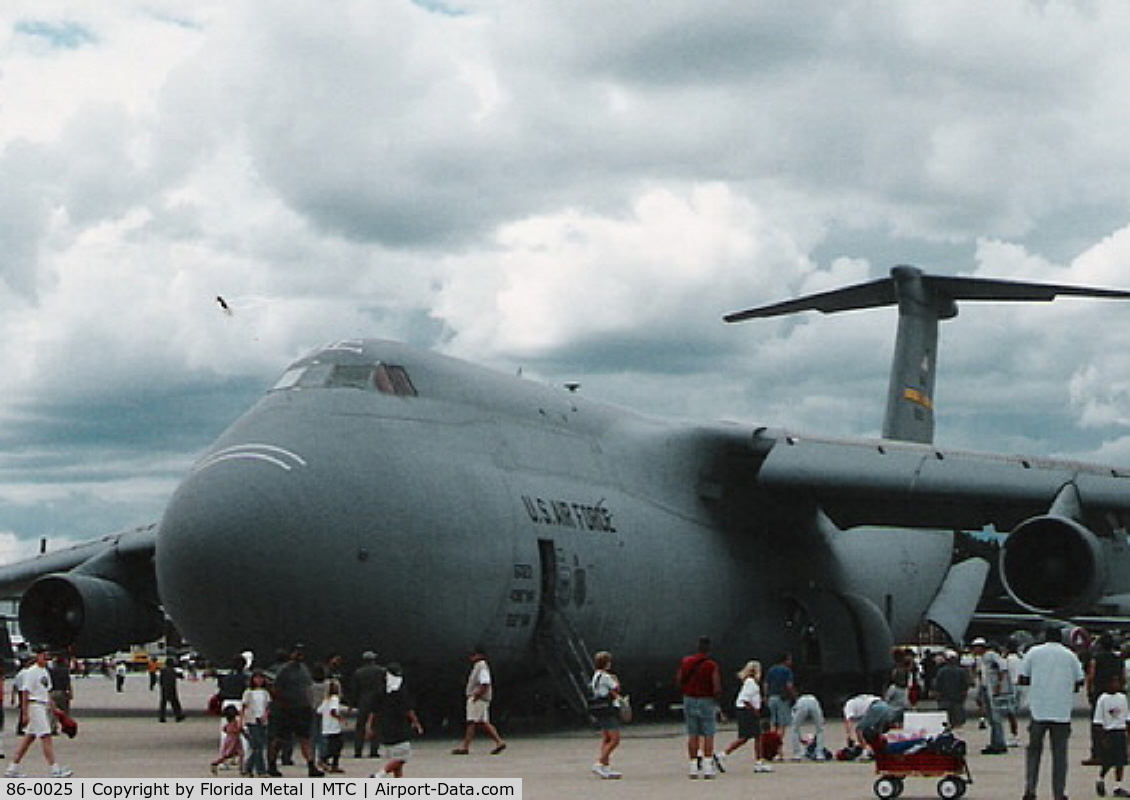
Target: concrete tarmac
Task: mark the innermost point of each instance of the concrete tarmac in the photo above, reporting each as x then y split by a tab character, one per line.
120	737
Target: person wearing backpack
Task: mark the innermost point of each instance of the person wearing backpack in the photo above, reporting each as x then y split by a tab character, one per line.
700	680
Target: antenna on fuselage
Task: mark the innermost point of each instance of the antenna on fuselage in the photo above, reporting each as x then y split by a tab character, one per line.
923	301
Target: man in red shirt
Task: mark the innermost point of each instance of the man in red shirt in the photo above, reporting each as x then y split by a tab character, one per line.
700	681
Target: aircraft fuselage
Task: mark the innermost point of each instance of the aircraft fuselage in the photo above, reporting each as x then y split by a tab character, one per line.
449	506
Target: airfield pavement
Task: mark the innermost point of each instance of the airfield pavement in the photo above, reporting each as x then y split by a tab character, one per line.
120	737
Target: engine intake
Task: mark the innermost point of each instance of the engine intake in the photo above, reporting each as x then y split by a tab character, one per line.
90	614
1053	565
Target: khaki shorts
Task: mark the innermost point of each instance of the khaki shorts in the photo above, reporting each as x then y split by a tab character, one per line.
400	751
478	710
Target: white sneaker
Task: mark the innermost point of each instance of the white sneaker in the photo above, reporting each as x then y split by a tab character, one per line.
600	769
720	761
708	768
14	771
611	774
59	771
692	773
761	766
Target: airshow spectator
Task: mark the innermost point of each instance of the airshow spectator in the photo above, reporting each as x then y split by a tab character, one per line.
951	689
780	692
748	713
479	693
1053	674
36	712
700	681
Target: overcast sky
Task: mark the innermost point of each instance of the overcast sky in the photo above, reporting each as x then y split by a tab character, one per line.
578	189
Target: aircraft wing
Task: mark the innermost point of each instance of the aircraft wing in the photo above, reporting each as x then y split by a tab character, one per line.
883	482
97	596
135	546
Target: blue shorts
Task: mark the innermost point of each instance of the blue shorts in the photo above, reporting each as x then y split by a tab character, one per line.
700	714
780	711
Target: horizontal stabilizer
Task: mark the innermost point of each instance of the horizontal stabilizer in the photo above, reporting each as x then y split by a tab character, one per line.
882	292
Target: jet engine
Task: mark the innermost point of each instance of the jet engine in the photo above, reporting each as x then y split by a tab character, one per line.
90	614
1053	565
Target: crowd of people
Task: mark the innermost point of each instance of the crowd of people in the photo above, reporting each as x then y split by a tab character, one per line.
268	713
780	720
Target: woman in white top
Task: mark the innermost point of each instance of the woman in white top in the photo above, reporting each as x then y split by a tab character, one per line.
606	685
748	713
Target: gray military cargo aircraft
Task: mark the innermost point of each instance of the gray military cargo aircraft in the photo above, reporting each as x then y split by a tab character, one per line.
380	497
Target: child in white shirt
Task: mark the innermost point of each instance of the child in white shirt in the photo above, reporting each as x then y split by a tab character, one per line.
1110	713
330	711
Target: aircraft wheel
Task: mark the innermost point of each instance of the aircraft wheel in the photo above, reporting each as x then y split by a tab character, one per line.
951	788
888	786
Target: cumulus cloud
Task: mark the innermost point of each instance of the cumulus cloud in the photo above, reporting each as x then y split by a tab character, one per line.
579	189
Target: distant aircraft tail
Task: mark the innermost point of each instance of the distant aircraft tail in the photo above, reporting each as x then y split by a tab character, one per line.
923	300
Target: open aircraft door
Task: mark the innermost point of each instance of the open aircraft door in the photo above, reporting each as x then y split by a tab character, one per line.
558	643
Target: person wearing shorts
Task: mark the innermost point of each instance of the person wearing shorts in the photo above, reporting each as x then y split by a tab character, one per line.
700	681
479	693
36	710
780	691
397	721
605	686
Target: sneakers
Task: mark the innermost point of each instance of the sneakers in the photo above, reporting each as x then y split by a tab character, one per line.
605	772
708	768
14	771
761	766
59	771
1120	792
692	772
720	762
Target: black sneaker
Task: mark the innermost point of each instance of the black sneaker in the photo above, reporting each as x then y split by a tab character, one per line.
1100	788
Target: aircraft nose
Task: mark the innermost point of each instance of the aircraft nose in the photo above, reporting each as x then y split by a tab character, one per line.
229	550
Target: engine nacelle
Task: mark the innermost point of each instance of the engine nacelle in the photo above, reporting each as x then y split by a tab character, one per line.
1053	565
92	615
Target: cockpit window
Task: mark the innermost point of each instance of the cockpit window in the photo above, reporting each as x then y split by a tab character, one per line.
393	379
349	376
289	379
386	378
308	376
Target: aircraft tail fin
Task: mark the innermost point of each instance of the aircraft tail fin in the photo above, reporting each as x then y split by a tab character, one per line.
923	301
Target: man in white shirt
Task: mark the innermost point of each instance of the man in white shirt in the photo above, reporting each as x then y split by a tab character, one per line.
1053	674
36	709
479	694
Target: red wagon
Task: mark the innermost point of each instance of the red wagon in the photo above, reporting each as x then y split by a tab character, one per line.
893	768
